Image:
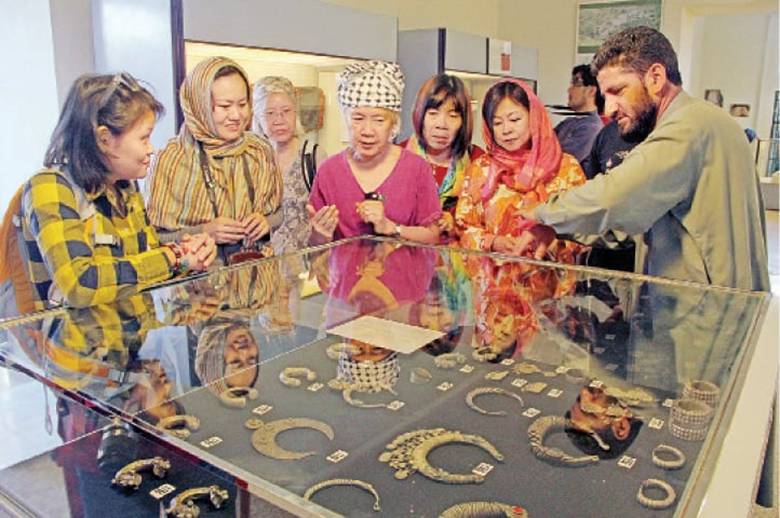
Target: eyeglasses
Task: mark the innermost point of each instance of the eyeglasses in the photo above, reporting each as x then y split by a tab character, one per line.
122	79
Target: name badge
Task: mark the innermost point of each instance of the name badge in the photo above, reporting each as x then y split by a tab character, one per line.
105	239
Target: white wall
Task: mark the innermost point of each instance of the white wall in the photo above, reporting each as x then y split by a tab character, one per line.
736	56
136	37
473	16
28	88
74	55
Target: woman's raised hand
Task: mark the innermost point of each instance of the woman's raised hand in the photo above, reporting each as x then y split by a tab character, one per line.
324	221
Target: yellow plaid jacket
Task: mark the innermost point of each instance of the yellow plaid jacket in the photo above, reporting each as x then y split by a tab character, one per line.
88	248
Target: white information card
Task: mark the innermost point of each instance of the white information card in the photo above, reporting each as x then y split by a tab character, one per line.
402	338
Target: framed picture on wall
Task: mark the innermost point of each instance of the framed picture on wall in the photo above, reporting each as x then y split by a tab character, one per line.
597	21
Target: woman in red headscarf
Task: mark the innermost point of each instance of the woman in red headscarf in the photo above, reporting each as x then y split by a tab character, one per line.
523	166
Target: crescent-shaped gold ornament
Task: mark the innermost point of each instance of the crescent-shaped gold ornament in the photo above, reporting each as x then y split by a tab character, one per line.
408	453
264	437
538	432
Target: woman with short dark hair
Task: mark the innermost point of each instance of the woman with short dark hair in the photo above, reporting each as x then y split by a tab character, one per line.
442	136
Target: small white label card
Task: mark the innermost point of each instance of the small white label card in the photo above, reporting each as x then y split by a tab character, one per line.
379	332
395	405
656	424
507	362
519	382
482	469
314	387
598	350
211	441
161	491
467	369
556	393
627	462
532	412
262	409
668	403
445	386
337	456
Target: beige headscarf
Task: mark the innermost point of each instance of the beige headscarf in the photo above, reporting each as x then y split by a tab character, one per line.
178	195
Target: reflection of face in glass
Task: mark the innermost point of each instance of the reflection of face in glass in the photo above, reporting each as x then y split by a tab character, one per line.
601	424
241	353
434	314
362	352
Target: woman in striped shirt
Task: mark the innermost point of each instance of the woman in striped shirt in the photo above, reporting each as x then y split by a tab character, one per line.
215	176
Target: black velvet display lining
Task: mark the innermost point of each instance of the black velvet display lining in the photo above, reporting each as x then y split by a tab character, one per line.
601	490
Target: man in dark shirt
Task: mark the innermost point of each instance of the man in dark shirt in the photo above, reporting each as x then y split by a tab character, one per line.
576	133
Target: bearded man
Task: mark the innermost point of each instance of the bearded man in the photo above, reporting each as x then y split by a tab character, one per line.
690	186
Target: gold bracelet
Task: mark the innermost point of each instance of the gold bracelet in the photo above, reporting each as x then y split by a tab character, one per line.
703	391
653	503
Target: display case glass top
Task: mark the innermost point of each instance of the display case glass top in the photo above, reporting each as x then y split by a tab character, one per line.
432	376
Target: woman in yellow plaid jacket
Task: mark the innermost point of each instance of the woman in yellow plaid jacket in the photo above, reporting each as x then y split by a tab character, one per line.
86	236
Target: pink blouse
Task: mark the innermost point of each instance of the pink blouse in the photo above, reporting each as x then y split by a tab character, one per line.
410	193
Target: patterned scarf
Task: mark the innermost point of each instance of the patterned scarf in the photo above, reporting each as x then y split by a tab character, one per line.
453	181
526	169
178	194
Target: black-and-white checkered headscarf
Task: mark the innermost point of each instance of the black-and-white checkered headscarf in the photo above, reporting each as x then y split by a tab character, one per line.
375	84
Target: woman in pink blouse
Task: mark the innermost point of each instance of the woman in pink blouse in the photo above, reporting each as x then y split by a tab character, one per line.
373	186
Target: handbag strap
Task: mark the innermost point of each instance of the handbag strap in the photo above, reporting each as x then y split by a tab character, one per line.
308	164
208	179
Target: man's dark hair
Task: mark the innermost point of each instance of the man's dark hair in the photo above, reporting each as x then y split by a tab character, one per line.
638	48
589	79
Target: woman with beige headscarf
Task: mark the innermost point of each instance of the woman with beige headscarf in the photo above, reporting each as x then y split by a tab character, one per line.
215	176
276	118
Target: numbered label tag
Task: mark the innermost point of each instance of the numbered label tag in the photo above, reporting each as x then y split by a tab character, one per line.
598	350
611	367
656	424
668	403
562	369
519	382
262	409
466	369
532	412
314	387
496	375
395	405
482	469
556	393
211	442
445	386
609	336
596	383
337	456
161	491
627	462
507	362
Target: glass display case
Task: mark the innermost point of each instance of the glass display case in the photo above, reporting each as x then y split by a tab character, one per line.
372	374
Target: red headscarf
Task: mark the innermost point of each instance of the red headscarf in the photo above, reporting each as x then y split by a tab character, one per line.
523	170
